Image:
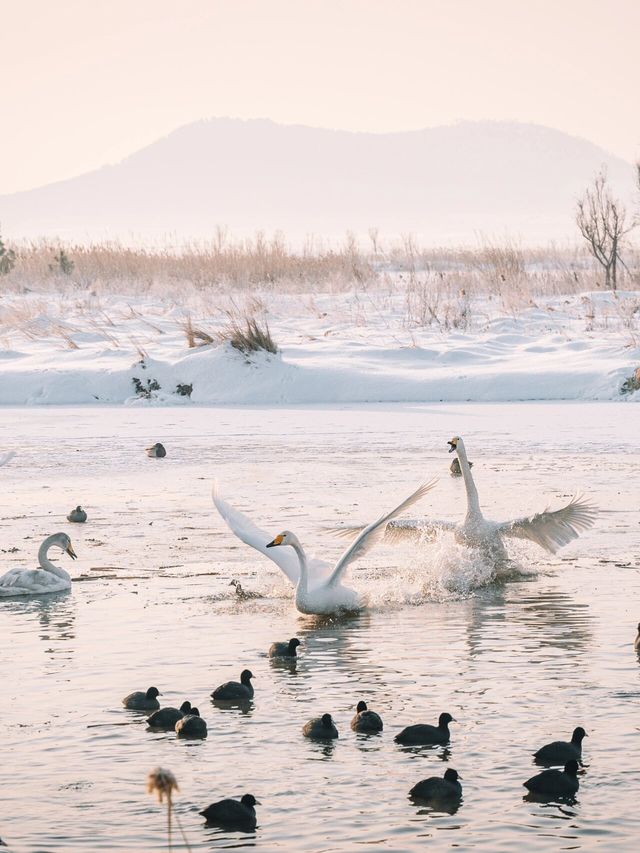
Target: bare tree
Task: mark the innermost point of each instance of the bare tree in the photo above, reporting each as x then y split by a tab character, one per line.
602	222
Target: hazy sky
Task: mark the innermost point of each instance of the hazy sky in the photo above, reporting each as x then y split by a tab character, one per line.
86	82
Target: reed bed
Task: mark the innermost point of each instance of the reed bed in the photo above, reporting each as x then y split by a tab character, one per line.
235	291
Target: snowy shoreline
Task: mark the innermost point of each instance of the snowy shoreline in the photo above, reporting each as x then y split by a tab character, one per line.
57	351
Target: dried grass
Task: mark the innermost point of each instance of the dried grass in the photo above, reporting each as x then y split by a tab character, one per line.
397	283
196	337
247	334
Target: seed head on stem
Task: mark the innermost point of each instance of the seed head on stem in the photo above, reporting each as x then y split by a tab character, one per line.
161	782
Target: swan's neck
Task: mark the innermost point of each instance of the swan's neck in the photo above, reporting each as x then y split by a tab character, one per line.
473	503
304	569
46	564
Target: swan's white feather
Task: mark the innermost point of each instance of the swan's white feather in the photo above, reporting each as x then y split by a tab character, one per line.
30	582
375	531
402	530
252	535
553	529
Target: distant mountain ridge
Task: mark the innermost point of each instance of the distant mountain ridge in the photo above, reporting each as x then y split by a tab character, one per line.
446	184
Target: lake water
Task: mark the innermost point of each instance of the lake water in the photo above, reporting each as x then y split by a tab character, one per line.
518	663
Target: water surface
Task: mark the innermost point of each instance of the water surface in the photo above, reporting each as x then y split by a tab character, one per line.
517	663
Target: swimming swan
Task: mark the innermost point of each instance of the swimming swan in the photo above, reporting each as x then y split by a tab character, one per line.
318	587
549	530
48	578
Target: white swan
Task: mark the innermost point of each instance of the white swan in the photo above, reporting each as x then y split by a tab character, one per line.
549	530
48	578
317	583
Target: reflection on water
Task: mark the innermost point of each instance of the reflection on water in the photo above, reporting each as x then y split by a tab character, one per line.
244	706
289	665
435	807
518	663
558	804
54	612
49	617
549	618
320	749
442	753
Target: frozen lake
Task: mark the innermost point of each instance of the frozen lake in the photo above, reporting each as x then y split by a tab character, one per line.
517	663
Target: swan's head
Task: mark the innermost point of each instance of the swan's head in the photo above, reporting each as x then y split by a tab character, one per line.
284	538
444	720
451	775
153	693
361	706
245	676
453	444
64	543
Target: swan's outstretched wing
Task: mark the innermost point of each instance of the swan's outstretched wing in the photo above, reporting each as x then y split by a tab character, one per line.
5	457
552	530
399	531
373	533
250	534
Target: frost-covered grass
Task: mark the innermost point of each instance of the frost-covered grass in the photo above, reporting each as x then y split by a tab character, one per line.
497	324
504	270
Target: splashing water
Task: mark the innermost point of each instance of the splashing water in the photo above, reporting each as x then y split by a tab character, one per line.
458	570
437	570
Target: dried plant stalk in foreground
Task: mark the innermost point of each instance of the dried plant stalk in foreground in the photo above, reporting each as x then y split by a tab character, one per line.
163	783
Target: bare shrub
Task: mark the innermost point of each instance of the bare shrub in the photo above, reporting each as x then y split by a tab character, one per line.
429	304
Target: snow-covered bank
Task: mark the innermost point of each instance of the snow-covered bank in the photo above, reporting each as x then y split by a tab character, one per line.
333	348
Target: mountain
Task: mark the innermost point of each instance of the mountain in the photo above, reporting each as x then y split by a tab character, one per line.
447	184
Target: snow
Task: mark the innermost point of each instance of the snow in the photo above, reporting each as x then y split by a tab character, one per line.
86	348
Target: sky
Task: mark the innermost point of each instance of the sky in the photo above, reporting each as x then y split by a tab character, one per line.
86	82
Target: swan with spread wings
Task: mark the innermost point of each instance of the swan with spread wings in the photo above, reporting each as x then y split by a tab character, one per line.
550	529
318	584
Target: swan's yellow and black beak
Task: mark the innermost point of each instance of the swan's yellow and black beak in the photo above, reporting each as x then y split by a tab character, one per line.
71	552
452	445
276	541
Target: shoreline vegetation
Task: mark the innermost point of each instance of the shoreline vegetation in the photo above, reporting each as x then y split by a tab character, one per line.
493	267
253	321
